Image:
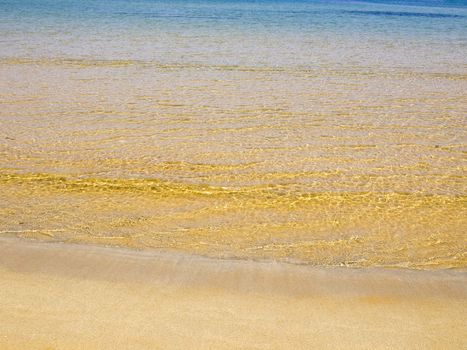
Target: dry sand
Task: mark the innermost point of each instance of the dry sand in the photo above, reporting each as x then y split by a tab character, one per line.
59	296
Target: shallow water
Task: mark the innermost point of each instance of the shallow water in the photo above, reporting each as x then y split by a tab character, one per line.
326	133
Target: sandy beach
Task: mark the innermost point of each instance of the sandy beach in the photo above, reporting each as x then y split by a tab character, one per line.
64	296
200	174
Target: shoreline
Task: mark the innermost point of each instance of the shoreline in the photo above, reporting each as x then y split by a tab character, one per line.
55	295
161	264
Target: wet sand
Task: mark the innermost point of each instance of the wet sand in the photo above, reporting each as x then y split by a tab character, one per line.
64	296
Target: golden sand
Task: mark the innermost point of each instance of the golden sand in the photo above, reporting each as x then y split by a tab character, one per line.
55	296
264	174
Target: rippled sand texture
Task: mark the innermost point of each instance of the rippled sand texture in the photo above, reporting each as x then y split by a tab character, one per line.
324	134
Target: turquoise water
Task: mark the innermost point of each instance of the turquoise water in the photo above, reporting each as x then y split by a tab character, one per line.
257	33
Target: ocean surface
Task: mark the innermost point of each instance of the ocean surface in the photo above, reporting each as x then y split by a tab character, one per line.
314	132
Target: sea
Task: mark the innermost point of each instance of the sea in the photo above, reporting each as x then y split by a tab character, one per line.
328	133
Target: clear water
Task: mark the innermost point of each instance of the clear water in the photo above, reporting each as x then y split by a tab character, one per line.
324	132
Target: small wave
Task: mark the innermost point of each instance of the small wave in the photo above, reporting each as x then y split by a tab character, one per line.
405	14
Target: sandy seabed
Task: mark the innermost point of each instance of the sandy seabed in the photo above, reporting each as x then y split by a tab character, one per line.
63	296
